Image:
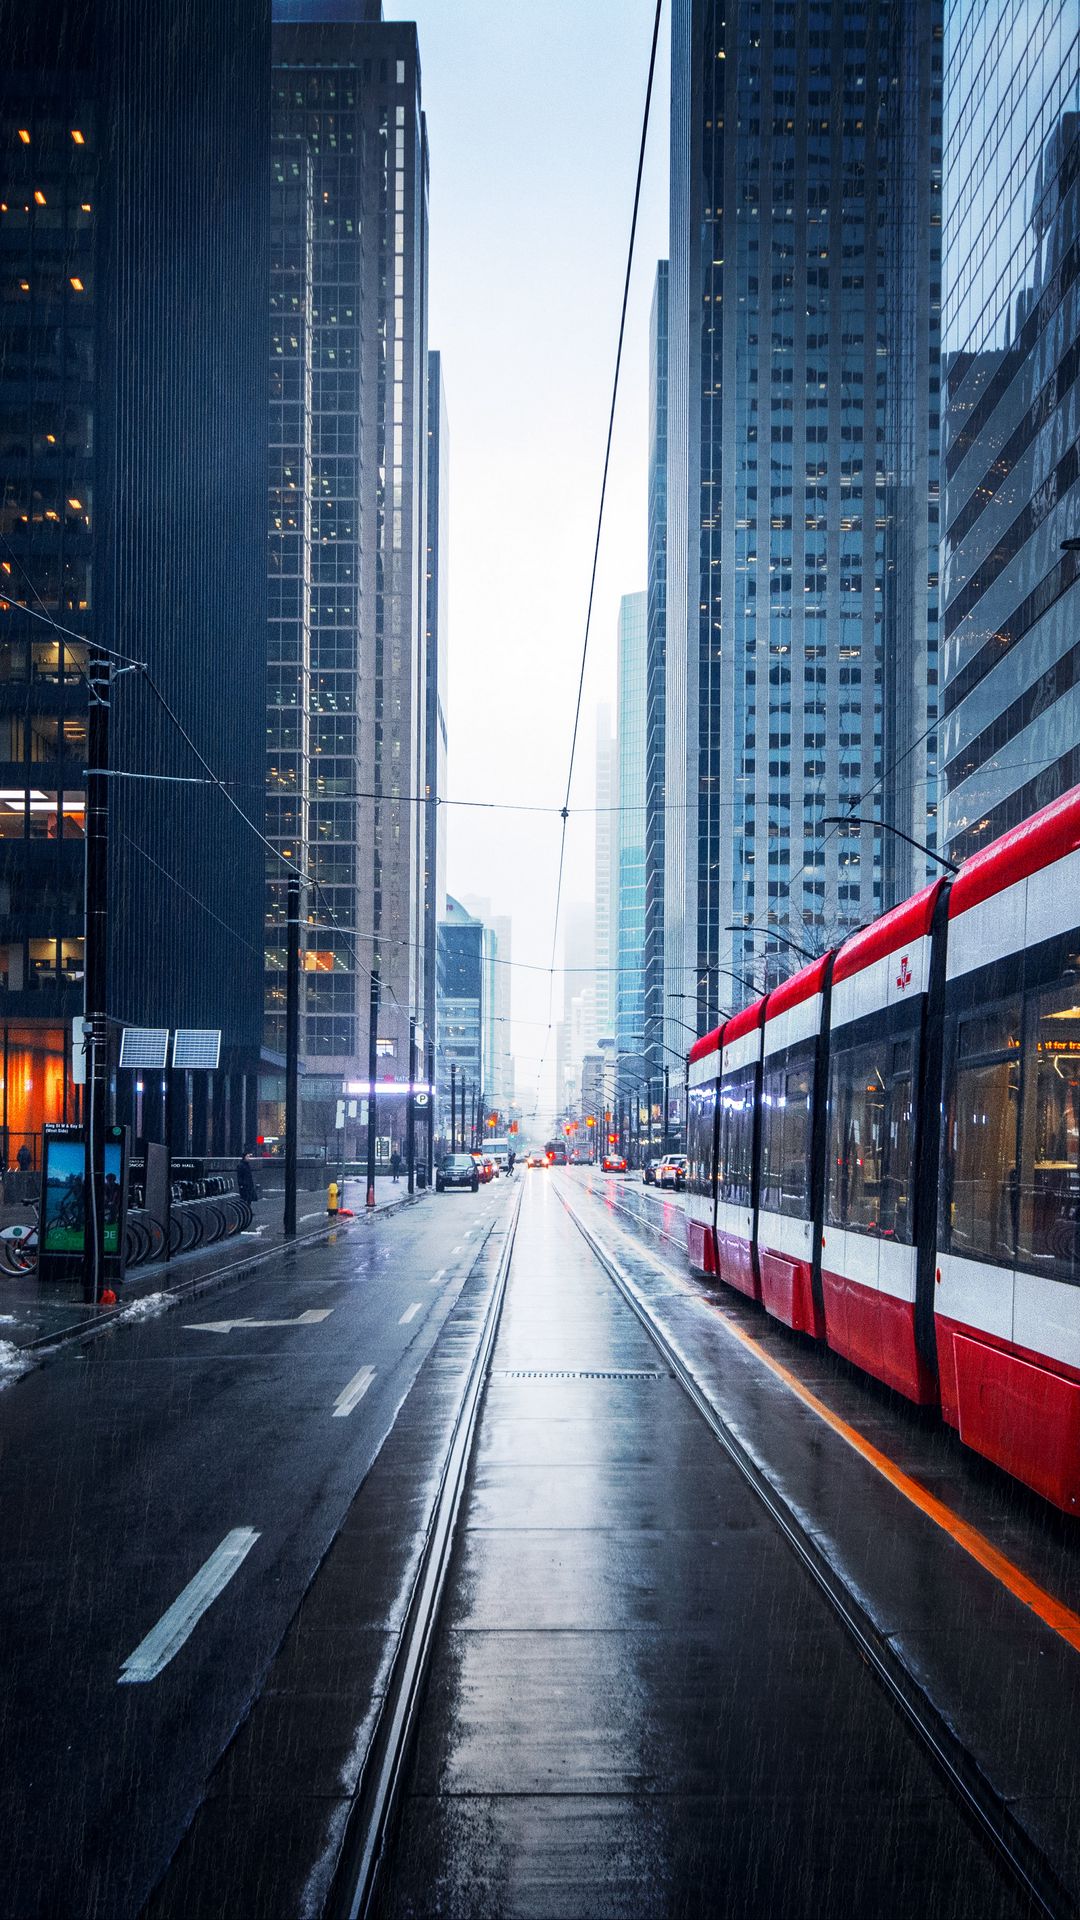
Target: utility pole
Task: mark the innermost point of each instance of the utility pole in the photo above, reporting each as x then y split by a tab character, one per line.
372	1056
431	1112
292	1050
664	1120
453	1106
410	1117
95	973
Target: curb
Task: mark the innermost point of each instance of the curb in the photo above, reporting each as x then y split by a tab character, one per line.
40	1350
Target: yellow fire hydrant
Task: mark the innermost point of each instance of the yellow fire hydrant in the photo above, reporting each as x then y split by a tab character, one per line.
332	1197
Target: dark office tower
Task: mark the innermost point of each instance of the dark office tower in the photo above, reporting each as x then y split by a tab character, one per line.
134	240
1011	338
653	968
802	417
436	669
348	535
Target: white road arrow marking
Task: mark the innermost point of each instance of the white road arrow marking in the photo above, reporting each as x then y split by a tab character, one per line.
308	1319
351	1395
166	1639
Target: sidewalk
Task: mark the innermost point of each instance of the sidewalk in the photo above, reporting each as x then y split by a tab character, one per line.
35	1318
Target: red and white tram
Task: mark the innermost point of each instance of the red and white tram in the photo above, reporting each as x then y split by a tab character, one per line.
885	1151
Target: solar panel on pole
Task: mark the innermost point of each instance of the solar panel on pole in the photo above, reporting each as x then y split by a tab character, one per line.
197	1048
144	1047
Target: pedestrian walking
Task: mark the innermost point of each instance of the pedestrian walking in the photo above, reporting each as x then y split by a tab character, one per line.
20	1181
245	1180
395	1165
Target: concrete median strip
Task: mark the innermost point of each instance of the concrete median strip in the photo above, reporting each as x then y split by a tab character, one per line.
174	1627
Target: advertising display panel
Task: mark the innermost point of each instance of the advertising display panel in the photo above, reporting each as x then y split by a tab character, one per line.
63	1215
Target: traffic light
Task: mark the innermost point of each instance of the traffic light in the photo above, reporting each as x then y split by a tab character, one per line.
590	1120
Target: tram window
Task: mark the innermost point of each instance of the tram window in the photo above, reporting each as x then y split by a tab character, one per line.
1048	1229
786	1097
982	1134
871	1138
737	1137
700	1139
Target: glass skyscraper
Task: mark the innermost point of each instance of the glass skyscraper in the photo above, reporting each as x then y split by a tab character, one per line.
802	478
437	650
1011	341
348	687
630	792
654	676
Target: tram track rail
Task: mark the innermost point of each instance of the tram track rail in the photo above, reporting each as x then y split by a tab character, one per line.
356	1876
982	1804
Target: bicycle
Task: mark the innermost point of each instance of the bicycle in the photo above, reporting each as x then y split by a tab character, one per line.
19	1248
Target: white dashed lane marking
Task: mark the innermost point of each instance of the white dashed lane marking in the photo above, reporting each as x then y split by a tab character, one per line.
350	1396
167	1638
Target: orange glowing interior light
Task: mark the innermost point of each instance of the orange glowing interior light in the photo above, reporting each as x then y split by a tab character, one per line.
77	137
24	136
77	283
39	197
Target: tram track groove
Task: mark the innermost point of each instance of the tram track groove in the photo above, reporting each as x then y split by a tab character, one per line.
356	1875
984	1807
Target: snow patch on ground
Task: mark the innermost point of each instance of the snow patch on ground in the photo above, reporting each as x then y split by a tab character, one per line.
147	1307
13	1362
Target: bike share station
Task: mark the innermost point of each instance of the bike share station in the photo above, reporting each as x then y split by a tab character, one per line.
154	1204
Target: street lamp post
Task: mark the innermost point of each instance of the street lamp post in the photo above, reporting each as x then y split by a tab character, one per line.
373	1051
95	962
410	1117
292	1050
771	933
886	826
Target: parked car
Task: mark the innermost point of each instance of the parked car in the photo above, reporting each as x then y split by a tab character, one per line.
484	1168
672	1172
457	1170
650	1170
613	1163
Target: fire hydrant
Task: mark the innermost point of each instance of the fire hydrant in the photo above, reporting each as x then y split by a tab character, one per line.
332	1197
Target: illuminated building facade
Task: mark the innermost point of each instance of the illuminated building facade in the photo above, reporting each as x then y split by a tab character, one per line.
132	467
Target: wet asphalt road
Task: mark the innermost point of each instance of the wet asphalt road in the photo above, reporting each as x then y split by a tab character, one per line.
639	1705
123	1468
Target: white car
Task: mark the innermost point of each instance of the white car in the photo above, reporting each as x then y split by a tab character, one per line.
672	1172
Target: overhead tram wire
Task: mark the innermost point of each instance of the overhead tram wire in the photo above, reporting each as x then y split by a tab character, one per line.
405	799
128	663
600	512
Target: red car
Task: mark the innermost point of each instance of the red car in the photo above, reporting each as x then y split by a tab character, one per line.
613	1163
